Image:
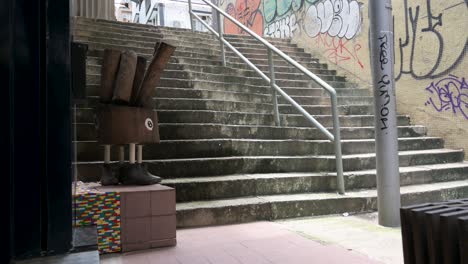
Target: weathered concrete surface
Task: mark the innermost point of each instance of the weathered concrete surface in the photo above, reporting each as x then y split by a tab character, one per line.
254	243
221	151
430	45
357	233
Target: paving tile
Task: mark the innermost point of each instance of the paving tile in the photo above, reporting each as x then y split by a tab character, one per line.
254	243
90	257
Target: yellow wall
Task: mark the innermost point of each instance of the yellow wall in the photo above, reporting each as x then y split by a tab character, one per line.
430	49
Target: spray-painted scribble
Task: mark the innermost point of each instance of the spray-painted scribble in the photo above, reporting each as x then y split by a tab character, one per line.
286	27
338	50
248	13
273	9
338	18
385	83
449	94
424	24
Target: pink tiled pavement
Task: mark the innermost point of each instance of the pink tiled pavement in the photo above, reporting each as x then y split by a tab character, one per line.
254	243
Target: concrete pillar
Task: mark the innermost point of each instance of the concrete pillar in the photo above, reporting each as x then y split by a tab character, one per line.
99	9
214	17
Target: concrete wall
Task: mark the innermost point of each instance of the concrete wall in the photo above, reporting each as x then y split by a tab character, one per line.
430	50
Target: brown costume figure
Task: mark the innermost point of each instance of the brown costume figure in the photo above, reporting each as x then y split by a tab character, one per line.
125	115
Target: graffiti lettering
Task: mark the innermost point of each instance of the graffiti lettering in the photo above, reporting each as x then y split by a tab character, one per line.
449	94
248	13
446	49
338	18
283	28
338	50
383	51
273	9
384	83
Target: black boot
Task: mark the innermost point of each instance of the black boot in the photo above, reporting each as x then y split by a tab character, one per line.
108	175
136	174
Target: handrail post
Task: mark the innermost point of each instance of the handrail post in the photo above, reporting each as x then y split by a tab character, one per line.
221	32
337	141
190	15
273	90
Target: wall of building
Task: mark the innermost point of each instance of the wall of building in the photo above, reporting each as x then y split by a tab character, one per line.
430	50
170	13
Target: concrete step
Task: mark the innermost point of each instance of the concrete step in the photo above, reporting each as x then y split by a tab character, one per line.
211	166
94	67
239	106
249	185
271	207
171	92
228	82
236	78
166	30
129	31
86	115
94	64
210	57
193	58
187	47
177	41
172	131
173	149
253	98
149	42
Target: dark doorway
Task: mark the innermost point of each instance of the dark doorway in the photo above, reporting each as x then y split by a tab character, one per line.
35	57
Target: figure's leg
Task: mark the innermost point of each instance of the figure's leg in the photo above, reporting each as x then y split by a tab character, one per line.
107	154
107	175
134	173
131	153
121	154
144	168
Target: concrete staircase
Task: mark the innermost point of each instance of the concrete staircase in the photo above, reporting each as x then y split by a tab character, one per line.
222	152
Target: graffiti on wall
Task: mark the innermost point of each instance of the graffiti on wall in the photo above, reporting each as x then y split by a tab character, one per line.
330	24
285	27
337	18
338	50
274	9
423	24
449	94
385	82
248	13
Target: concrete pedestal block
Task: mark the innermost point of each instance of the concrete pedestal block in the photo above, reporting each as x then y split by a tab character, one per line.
148	216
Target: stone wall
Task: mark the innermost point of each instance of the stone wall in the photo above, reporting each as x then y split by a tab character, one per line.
430	50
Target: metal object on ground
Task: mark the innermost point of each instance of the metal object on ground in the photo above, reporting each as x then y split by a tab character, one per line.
463	238
335	137
435	232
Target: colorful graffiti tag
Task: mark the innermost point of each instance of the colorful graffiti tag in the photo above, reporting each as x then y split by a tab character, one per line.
285	27
331	23
337	18
449	94
273	9
248	13
338	50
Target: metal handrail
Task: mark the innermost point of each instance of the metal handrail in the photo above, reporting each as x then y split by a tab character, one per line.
335	137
